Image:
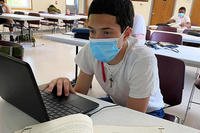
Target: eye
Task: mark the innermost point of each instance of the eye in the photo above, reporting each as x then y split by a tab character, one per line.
92	32
106	32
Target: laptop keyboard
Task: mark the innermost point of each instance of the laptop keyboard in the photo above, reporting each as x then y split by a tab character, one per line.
56	107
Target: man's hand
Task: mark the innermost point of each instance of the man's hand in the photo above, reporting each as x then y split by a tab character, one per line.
63	85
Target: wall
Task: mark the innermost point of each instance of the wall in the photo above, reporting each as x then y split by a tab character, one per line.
186	3
144	8
42	5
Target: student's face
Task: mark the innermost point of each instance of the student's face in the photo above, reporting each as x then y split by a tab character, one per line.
181	11
103	26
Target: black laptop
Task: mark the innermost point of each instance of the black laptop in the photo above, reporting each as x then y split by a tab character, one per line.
19	88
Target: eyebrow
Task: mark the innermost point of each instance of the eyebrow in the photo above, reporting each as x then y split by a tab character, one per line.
106	28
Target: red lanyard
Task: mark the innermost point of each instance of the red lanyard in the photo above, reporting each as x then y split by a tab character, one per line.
103	72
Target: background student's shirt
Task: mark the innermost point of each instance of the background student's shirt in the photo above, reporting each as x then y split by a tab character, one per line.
179	20
135	76
139	27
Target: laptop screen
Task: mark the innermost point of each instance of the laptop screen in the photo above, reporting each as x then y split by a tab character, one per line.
18	87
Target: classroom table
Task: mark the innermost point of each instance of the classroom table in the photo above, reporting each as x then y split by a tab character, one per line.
20	17
190	55
62	16
13	119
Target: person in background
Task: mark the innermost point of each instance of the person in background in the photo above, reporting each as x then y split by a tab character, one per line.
181	20
8	22
139	27
124	67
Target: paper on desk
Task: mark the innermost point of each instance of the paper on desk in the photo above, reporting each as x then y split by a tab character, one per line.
127	129
77	123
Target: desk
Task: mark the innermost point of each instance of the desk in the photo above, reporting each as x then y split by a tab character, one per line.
13	119
190	55
67	38
62	16
20	17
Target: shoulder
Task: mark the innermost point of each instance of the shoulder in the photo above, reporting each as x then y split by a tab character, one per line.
138	51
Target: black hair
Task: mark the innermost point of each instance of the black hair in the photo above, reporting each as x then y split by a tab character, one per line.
121	9
2	0
182	8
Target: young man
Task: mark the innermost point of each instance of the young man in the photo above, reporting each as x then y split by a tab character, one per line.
181	20
126	70
8	22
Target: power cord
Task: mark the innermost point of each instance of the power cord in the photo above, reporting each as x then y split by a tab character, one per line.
102	109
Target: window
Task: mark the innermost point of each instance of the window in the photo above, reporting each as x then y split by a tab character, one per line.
20	4
69	2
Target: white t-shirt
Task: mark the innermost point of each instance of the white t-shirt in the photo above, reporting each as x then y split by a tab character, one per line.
179	20
135	76
139	27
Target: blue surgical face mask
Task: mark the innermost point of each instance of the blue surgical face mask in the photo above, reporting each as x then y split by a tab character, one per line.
181	15
104	49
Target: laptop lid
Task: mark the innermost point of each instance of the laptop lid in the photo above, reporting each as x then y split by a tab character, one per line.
18	87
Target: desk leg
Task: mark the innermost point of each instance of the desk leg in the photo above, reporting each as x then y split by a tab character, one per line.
73	82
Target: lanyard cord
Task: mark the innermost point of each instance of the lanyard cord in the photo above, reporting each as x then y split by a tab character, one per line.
103	72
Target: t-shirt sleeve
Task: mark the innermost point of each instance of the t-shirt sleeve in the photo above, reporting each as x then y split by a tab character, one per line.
143	79
85	60
187	19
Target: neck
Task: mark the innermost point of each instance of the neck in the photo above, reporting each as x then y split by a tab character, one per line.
119	56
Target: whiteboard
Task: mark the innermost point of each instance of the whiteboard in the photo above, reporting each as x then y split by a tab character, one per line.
20	4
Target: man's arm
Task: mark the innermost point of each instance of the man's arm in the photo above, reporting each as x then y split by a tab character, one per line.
171	21
83	83
187	24
8	10
138	104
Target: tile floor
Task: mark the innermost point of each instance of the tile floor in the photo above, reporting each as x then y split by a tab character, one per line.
50	60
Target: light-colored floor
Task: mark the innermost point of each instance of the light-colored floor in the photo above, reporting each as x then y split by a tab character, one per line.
50	60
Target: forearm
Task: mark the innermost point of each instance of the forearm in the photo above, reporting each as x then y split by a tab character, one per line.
7	9
188	25
83	83
171	21
138	104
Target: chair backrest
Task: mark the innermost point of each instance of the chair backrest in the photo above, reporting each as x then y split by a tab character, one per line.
35	22
171	75
19	13
148	35
167	28
197	82
166	37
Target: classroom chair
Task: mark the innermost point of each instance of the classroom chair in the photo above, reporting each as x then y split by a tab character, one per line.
167	28
196	85
171	75
166	37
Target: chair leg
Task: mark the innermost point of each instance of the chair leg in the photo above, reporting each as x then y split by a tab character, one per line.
189	102
197	73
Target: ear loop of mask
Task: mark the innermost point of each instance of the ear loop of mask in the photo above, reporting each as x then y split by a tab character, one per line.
121	37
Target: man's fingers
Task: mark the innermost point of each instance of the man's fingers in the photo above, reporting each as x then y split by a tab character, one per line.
51	86
59	86
66	83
